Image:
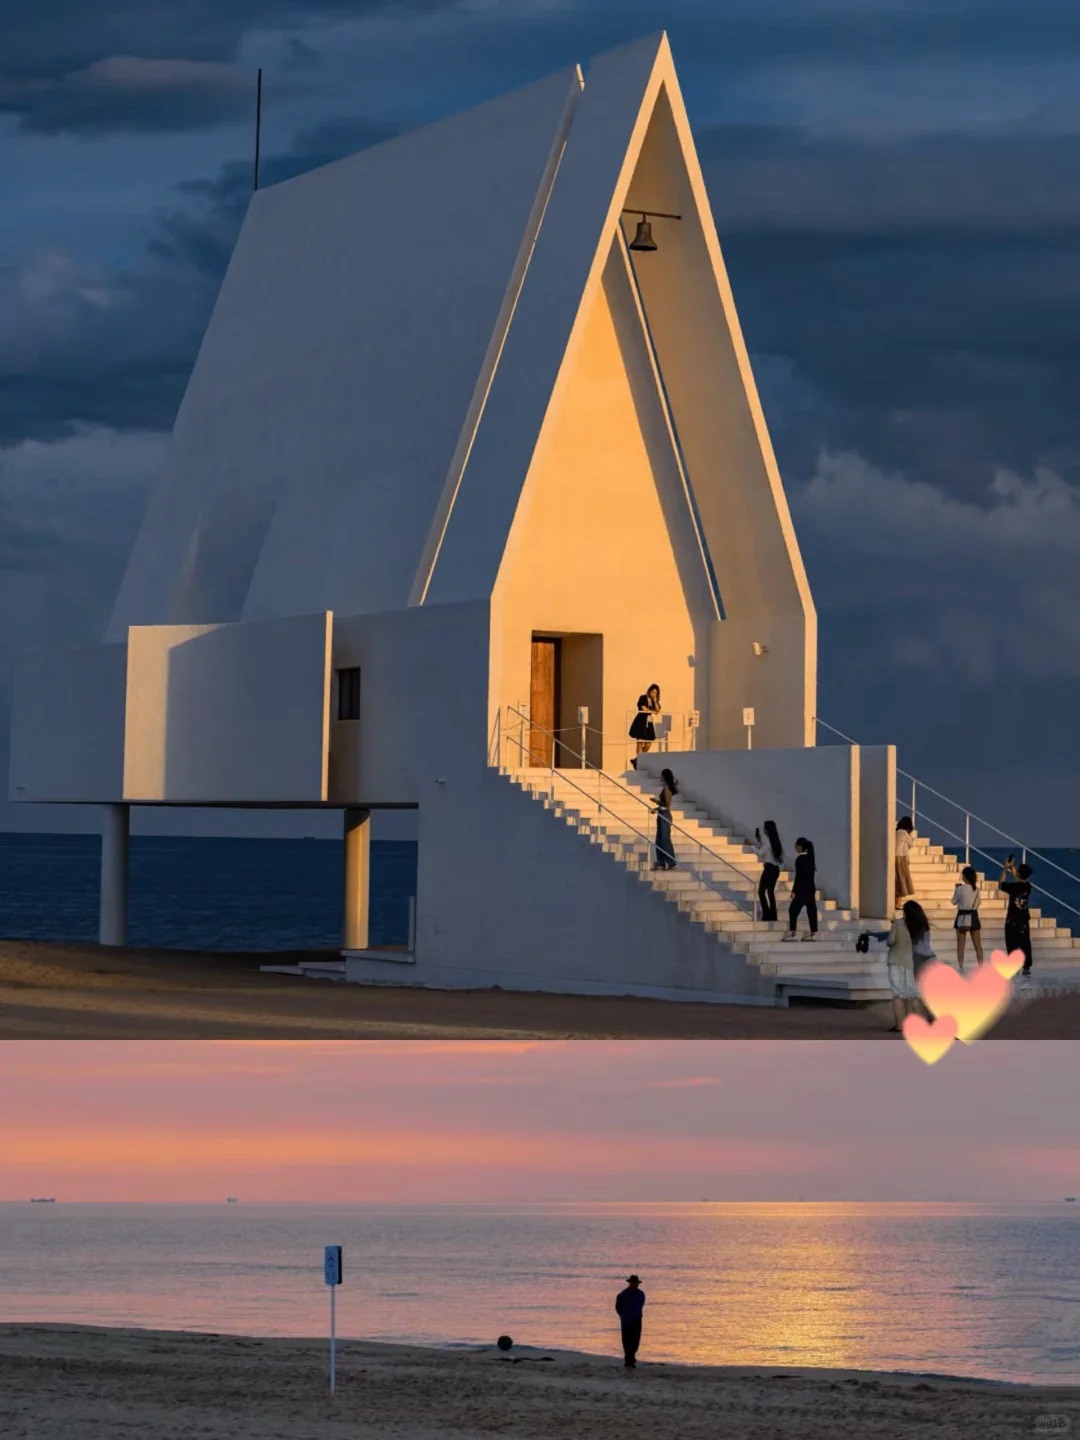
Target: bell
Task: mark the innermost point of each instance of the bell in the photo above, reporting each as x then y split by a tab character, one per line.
643	239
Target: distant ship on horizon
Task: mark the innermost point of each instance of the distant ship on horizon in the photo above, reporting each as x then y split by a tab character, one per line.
42	1200
230	1199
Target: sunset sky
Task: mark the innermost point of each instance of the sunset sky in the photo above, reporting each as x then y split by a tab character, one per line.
337	1121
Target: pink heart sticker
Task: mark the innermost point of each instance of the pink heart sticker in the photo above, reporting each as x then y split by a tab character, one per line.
1007	965
974	1003
930	1039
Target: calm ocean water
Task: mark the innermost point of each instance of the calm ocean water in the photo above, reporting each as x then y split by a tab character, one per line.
985	1291
198	894
228	894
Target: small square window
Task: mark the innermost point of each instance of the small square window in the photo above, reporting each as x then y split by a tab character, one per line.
348	694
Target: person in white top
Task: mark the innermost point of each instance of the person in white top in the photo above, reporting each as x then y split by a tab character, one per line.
904	887
966	898
771	854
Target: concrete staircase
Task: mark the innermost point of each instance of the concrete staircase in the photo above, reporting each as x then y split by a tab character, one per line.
935	872
715	886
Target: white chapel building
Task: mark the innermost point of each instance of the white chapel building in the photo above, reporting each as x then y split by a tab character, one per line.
472	455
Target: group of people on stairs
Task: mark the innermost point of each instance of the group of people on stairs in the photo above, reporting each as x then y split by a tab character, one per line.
1014	881
909	940
769	850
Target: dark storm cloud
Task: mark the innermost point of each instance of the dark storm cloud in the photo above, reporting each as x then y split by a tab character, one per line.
915	298
62	37
116	349
65	38
926	293
125	92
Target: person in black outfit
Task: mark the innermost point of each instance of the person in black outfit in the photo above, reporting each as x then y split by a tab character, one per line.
629	1304
804	889
642	728
1018	918
665	851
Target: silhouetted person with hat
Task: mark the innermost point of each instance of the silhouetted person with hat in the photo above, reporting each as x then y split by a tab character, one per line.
629	1304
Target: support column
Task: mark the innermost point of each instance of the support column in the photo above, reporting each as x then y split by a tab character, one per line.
357	879
112	915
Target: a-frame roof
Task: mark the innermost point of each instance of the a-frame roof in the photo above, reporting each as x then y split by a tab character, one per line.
392	332
631	146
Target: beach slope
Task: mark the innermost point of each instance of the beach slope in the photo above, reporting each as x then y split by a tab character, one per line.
60	1382
68	991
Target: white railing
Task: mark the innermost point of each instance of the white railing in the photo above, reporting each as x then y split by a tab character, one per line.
673	730
567	775
920	787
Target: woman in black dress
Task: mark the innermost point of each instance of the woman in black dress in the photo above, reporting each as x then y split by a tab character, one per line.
642	729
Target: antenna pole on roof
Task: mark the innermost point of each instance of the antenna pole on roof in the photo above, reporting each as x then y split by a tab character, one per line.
258	124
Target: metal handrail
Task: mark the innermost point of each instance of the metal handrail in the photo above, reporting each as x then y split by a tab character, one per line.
640	799
997	865
969	815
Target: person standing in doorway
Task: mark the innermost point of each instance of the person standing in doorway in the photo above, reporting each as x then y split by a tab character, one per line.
665	850
771	854
904	887
1016	883
804	890
629	1305
642	729
966	898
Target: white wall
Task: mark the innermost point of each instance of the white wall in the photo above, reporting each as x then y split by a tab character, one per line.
723	433
779	684
67	727
565	271
506	893
603	540
810	792
423	703
877	830
509	895
228	714
311	451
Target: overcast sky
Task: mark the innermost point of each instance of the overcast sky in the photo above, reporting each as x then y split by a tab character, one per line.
895	184
337	1122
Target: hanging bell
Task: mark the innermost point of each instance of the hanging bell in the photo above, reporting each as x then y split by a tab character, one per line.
643	240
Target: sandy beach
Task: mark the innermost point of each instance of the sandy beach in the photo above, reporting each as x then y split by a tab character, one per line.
53	991
80	1383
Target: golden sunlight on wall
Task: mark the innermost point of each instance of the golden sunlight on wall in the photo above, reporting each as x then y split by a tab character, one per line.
602	543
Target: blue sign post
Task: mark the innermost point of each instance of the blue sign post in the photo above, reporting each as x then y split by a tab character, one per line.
332	1274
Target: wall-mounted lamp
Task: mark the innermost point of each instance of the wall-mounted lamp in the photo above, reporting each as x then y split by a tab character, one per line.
760	649
643	238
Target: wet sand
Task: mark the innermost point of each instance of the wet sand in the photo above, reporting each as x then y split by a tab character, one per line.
83	992
60	1382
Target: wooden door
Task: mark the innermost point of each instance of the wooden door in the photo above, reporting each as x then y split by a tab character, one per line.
543	701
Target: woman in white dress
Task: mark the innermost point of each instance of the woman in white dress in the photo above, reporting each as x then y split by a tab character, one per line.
909	950
966	898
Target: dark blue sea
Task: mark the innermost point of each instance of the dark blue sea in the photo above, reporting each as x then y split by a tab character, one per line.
202	894
242	894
